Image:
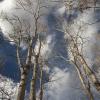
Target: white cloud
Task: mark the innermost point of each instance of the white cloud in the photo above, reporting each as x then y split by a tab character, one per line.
9	87
7	5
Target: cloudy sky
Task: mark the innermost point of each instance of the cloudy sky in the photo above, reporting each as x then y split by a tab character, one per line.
67	85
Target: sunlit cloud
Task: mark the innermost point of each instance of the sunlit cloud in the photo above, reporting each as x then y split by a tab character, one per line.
7	5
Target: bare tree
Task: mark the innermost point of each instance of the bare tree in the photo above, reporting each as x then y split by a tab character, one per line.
86	75
27	31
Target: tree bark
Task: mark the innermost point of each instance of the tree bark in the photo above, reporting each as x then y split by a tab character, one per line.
41	82
22	85
90	74
34	75
77	61
86	87
33	81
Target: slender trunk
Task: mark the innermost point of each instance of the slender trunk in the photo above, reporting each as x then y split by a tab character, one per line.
90	74
87	69
33	81
81	76
41	82
87	88
34	75
24	69
22	85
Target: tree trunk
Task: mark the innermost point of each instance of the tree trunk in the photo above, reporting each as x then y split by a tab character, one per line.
90	74
41	82
77	62
22	85
86	87
33	81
